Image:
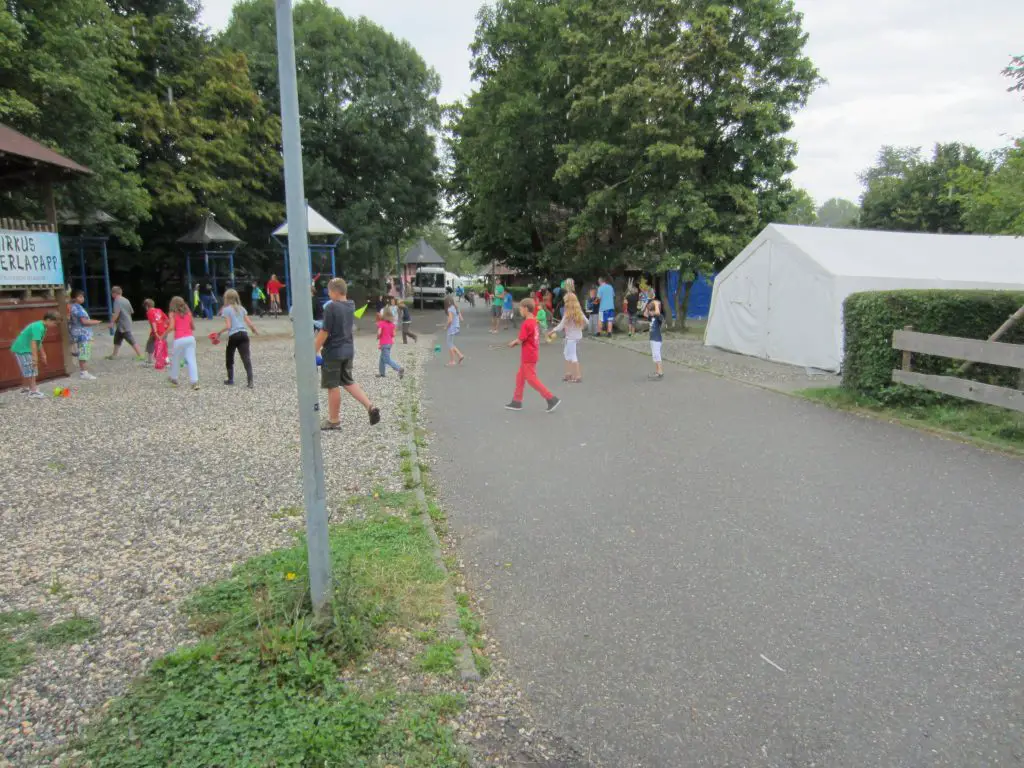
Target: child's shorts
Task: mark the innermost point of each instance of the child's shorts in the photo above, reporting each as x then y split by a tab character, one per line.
122	336
150	344
506	315
570	351
336	373
608	316
27	364
656	351
85	351
450	339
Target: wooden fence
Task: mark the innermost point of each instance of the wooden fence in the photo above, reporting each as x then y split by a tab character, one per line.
909	341
21	225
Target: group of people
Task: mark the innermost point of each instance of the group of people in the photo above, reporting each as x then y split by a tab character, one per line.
540	310
171	342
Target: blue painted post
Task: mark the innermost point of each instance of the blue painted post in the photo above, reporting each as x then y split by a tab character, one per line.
231	262
81	263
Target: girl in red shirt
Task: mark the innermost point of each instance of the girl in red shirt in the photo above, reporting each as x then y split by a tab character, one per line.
274	287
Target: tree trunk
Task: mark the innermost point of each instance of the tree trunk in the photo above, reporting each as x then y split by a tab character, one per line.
685	290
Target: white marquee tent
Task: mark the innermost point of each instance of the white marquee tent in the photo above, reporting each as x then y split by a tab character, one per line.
782	298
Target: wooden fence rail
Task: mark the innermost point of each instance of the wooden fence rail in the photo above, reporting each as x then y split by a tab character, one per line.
909	341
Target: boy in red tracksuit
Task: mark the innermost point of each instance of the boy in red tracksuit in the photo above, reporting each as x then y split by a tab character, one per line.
529	339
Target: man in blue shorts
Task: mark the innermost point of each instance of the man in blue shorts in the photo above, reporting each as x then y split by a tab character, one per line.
606	296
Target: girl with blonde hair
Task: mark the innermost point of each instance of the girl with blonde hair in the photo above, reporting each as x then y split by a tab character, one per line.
573	323
184	346
235	321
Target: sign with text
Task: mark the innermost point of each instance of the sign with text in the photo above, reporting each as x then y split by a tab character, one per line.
30	259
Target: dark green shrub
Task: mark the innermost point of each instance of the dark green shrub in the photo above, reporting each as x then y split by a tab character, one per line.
869	320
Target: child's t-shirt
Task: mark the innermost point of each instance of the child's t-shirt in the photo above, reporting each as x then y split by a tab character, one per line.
339	317
158	321
542	317
529	338
387	333
656	327
79	331
182	326
32	332
453	313
508	301
236	315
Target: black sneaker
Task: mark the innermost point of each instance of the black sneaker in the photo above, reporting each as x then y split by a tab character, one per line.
374	416
655	376
229	382
249	385
553	403
515	405
401	373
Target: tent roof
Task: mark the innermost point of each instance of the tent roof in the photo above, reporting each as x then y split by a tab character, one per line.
24	161
422	253
209	231
908	255
316	224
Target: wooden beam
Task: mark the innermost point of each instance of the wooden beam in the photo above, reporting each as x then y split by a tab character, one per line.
1001	397
975	350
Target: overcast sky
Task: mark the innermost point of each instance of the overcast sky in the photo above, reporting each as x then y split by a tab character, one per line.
905	72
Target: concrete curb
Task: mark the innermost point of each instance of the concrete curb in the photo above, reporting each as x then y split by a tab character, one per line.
464	656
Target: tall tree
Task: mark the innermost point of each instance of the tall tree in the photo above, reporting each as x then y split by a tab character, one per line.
801	209
60	61
205	140
642	133
838	212
369	109
906	192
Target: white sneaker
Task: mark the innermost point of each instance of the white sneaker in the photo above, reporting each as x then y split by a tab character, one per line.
87	376
37	395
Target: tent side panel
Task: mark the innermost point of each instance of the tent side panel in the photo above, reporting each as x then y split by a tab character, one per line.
739	306
802	320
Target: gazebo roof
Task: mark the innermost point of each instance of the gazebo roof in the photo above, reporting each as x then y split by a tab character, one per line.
95	218
24	161
316	224
422	254
208	232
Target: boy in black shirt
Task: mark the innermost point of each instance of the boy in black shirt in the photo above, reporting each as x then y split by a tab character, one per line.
334	343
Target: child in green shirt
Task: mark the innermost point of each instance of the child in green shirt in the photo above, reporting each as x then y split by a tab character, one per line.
542	319
28	350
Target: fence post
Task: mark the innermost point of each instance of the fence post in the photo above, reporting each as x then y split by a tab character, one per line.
907	356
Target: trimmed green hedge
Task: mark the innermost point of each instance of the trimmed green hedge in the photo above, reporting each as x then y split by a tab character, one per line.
869	320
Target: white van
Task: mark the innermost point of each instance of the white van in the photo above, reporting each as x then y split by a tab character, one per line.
429	286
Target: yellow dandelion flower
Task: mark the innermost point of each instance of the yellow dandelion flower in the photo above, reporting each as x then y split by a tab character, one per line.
290	576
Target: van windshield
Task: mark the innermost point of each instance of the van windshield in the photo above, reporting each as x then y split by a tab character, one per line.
429	280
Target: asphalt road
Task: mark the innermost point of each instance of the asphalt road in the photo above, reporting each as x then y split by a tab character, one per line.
695	572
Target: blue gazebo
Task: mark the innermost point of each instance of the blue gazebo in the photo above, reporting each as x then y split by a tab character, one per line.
215	244
93	269
325	251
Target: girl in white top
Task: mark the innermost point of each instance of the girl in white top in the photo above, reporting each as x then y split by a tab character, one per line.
573	323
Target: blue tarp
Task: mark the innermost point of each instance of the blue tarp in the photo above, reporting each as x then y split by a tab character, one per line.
700	296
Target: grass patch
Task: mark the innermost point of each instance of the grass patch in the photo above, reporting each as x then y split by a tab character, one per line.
440	658
263	686
470	624
57	466
14	619
14	655
69	632
985	424
286	512
57	588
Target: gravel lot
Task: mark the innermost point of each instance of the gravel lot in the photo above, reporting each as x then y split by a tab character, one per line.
120	501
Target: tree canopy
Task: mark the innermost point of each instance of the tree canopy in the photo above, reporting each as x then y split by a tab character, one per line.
604	134
838	212
369	109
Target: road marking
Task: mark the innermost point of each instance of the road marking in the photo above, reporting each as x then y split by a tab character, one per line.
773	663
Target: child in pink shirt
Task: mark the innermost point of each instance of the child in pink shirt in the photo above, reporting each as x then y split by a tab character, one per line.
385	339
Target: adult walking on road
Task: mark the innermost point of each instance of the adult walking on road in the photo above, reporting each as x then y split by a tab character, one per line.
606	297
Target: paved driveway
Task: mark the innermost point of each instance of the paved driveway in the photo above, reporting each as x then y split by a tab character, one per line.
694	572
